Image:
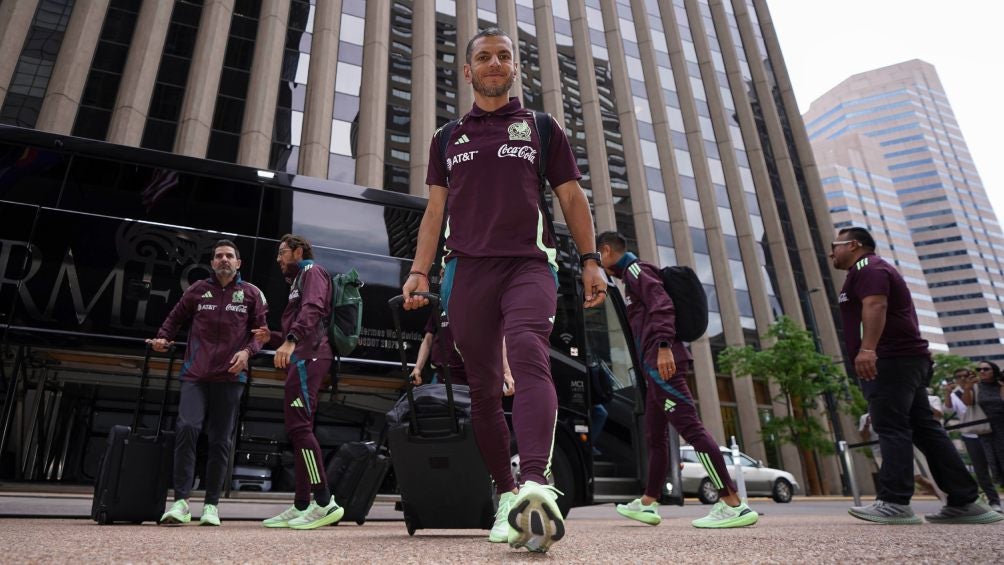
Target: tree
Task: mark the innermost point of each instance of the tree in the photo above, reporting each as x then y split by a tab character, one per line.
803	375
945	365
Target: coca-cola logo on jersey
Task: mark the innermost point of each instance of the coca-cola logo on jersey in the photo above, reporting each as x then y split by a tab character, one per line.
523	152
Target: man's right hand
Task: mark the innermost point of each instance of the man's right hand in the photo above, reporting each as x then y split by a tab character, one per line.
415	283
666	362
159	344
262	334
416	376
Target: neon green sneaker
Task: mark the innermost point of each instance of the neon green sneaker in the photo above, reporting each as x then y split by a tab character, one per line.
500	531
177	515
316	516
210	516
724	516
647	514
282	519
535	522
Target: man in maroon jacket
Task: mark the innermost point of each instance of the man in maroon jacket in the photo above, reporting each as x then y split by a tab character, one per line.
501	278
223	309
666	362
303	349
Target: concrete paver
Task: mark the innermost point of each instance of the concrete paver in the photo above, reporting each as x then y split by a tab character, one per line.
805	531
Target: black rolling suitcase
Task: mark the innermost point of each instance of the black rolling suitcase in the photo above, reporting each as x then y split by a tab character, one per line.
355	474
136	470
443	480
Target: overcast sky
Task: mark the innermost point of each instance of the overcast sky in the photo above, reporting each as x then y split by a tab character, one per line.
826	41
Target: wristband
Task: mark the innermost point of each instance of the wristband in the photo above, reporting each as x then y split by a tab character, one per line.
866	350
594	256
419	273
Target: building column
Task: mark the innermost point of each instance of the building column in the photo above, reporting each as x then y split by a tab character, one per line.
140	74
69	75
749	417
423	95
263	85
373	96
550	75
467	27
315	138
15	22
641	209
196	117
604	214
505	14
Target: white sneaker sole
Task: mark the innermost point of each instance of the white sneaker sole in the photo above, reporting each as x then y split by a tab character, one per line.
537	524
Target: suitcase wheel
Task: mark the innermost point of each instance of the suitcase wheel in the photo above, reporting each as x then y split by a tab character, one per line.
102	518
361	521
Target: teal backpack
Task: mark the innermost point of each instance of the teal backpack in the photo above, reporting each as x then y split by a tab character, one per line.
346	312
346	321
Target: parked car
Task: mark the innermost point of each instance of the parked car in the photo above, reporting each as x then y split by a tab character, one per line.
760	481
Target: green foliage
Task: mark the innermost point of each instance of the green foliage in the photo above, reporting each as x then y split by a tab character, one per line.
801	373
945	365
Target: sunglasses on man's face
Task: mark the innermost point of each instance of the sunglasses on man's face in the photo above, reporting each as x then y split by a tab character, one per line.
833	246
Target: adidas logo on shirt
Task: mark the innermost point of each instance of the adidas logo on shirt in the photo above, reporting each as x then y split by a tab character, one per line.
462	139
208	294
297	403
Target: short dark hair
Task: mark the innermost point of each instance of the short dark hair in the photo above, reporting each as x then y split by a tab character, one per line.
294	242
861	236
616	241
226	243
493	31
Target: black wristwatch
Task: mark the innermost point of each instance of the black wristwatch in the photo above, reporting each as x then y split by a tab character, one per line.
587	256
664	345
292	338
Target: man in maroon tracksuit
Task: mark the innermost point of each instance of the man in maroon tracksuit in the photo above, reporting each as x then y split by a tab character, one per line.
666	362
501	277
303	349
223	309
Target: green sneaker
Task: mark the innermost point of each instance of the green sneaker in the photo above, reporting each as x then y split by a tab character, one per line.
210	516
500	531
724	516
637	511
177	515
535	522
972	513
316	516
282	520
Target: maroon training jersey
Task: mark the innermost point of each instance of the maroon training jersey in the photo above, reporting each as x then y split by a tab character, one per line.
493	201
873	276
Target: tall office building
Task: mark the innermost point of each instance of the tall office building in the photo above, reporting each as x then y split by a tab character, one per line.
893	159
680	112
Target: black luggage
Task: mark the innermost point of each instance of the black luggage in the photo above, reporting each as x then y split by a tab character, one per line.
136	470
355	474
443	480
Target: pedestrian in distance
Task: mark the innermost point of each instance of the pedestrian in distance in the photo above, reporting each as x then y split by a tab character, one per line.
666	362
439	348
894	366
302	349
988	394
976	437
223	310
501	277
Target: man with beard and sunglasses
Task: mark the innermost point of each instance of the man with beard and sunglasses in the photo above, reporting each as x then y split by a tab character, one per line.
501	278
223	310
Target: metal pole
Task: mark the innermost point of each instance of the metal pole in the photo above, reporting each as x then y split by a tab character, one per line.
737	470
845	456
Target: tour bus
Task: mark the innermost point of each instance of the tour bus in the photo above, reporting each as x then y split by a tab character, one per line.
98	242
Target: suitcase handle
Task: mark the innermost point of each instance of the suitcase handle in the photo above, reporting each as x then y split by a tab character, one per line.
395	305
144	382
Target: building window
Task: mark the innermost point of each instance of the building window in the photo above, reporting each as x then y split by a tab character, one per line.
225	136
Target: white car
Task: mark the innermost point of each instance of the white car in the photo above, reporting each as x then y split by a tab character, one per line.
760	481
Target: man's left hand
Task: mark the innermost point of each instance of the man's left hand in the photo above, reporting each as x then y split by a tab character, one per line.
864	365
593	284
239	362
284	354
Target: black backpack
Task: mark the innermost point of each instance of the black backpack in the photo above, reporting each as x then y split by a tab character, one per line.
542	121
689	299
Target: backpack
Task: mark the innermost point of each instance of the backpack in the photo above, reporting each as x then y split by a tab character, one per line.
346	322
543	122
689	300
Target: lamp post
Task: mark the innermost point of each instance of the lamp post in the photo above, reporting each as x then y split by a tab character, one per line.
828	398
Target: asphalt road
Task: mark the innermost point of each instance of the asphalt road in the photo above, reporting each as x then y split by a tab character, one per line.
809	530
